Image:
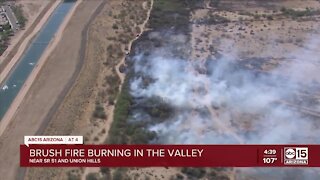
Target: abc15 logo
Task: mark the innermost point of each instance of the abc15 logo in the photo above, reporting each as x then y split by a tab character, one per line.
298	153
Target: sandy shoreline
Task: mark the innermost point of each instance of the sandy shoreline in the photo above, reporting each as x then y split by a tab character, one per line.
19	98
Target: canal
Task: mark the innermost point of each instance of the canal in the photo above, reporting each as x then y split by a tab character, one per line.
16	78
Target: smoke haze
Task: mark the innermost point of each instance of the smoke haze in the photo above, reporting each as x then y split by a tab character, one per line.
220	102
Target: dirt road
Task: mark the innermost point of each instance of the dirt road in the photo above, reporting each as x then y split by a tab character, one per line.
142	27
110	109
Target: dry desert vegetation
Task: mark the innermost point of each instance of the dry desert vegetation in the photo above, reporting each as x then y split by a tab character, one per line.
261	35
235	66
111	30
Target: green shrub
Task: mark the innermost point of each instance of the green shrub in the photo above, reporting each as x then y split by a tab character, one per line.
99	112
299	13
115	26
92	176
194	172
18	12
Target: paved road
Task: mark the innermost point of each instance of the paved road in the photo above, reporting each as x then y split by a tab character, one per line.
11	17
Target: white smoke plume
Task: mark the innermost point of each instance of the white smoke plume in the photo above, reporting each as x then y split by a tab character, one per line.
218	102
229	104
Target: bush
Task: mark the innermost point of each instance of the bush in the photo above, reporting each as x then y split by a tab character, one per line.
121	112
99	112
269	17
142	136
157	107
73	176
17	10
115	26
170	13
256	16
104	170
177	177
298	13
217	19
92	176
194	172
118	174
106	173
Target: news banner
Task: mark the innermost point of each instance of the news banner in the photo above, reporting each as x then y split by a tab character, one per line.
68	151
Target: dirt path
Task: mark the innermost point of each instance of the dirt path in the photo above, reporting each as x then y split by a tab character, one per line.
142	27
110	109
25	43
207	4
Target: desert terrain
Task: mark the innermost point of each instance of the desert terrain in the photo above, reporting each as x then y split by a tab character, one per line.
97	81
221	72
175	72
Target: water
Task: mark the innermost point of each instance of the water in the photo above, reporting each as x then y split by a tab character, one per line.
12	85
